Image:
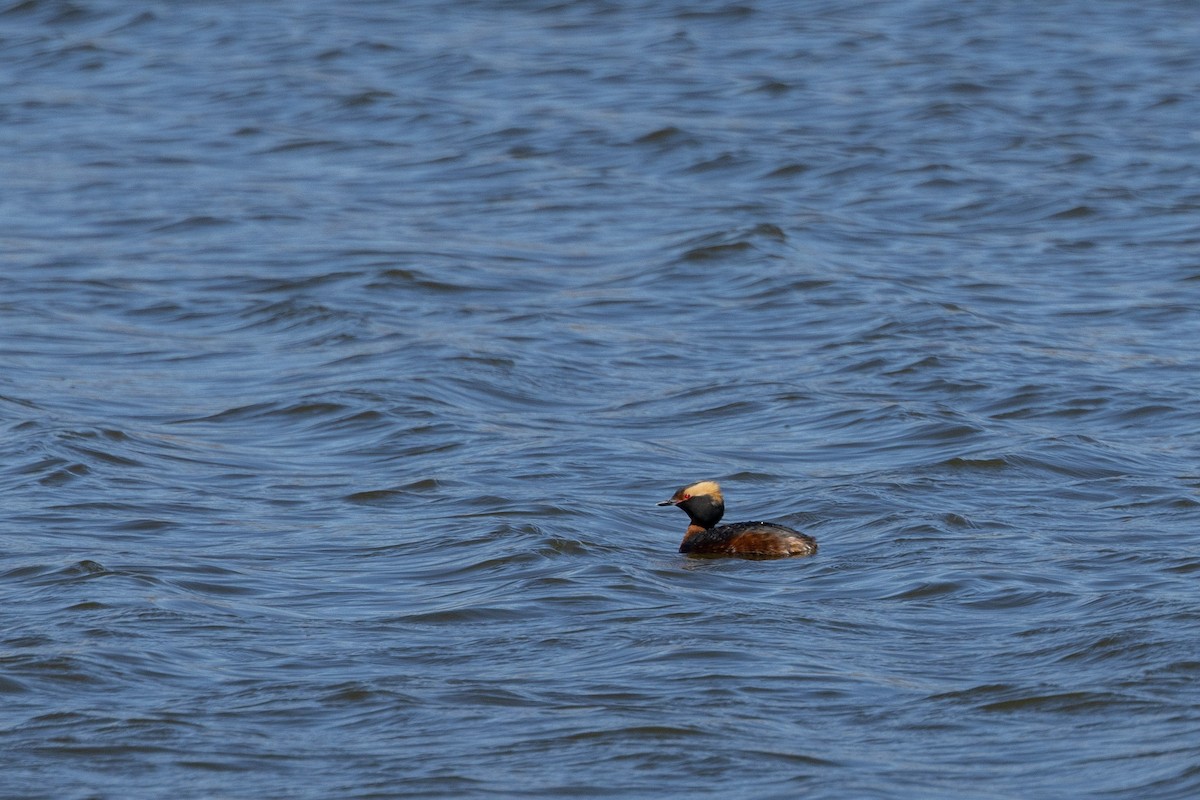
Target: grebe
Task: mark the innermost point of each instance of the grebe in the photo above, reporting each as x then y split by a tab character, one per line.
704	506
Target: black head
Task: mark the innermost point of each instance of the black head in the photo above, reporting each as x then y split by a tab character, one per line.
701	501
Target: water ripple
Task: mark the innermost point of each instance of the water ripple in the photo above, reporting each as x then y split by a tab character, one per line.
348	349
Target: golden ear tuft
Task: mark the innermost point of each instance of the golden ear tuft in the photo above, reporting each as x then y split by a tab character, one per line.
710	488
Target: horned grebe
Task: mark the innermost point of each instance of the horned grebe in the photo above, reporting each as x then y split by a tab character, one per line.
704	506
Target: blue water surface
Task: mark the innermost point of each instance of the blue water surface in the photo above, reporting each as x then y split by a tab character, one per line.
347	349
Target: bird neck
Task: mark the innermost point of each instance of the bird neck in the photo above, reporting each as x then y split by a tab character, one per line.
703	511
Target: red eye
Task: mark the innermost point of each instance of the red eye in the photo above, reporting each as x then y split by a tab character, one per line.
687	497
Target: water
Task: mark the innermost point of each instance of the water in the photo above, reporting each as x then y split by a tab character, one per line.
348	348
